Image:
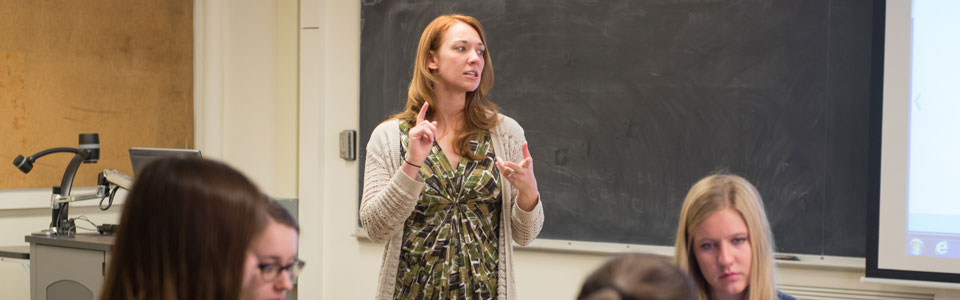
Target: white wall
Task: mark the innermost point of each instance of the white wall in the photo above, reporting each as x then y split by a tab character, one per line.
246	91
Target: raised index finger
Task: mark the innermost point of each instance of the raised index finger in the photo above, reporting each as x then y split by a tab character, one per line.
527	159
423	112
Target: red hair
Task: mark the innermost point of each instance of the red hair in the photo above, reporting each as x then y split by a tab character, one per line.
480	114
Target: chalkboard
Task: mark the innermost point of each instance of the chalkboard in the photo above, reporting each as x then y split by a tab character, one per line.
627	103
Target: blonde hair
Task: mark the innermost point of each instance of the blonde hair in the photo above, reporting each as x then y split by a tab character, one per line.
710	195
480	114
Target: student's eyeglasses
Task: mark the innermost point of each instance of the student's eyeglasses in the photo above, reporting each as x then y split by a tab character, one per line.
270	272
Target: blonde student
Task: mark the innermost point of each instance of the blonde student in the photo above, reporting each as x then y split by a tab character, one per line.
724	241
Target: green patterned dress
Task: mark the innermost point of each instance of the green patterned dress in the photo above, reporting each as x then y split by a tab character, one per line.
450	243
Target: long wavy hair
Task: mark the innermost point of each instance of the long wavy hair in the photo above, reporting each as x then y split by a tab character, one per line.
185	231
715	193
480	114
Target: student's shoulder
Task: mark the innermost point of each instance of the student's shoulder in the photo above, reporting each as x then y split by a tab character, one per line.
783	296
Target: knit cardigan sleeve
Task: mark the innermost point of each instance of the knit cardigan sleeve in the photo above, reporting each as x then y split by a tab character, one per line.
526	225
389	195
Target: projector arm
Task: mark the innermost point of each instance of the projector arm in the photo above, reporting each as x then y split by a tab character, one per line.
109	176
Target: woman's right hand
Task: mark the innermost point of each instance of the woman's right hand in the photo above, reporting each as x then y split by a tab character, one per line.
421	138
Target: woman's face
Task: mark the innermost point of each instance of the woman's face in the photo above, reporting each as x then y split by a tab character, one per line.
458	62
278	247
721	244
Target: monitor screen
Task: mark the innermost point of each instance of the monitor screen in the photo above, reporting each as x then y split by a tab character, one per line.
140	157
914	232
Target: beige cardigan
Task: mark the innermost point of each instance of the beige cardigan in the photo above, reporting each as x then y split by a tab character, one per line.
389	197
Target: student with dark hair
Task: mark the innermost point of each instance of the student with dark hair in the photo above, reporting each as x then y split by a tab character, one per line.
638	276
185	232
273	265
281	215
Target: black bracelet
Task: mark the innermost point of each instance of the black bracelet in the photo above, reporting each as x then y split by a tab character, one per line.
410	163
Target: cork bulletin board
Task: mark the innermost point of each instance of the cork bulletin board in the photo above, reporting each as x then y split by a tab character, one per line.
120	68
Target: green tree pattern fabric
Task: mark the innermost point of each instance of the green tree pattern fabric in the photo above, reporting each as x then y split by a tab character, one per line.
450	241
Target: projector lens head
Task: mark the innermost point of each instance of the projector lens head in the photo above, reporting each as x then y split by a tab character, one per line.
23	164
90	147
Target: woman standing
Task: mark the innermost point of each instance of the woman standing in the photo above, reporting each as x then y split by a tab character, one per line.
449	182
724	241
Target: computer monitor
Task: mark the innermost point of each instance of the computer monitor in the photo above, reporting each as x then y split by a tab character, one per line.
140	157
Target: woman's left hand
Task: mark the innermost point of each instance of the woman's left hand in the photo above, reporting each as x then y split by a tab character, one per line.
521	176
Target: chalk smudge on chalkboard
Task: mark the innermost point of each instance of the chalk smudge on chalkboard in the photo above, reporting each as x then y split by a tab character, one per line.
560	157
